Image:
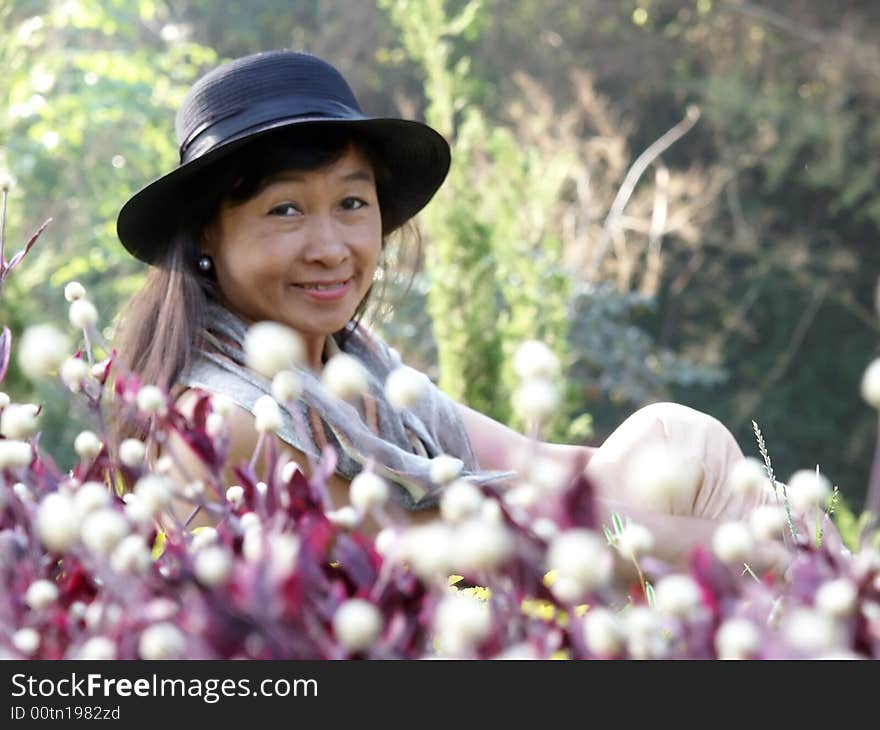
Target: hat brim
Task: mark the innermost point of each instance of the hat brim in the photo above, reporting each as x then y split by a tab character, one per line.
415	155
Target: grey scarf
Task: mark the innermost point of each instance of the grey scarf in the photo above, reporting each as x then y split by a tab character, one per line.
401	444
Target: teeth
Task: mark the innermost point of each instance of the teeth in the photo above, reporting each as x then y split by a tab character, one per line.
322	287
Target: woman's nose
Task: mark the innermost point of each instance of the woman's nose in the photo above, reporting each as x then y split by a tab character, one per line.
326	243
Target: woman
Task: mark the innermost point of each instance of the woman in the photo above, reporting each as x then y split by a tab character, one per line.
279	210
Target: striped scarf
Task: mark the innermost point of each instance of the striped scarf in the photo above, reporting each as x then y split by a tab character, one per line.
400	444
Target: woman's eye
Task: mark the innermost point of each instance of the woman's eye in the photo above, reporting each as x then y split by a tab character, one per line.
353	203
286	209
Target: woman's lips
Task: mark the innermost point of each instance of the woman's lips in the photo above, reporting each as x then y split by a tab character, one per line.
325	292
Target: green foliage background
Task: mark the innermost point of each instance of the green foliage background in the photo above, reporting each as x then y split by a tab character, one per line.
760	302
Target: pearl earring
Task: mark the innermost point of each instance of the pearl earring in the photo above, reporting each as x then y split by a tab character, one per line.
205	264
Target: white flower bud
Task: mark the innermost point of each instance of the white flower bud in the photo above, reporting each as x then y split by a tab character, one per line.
870	386
19	420
747	477
58	524
357	624
4	400
737	638
491	511
131	556
154	492
206	536
445	468
41	351
534	360
103	529
213	566
837	598
15	454
132	453
461	623
7	182
87	445
603	632
523	496
536	400
215	425
267	414
99	368
661	477
346	517
89	497
286	386
222	404
567	590
677	595
21	491
40	594
550	475
807	489
545	528
635	541
136	511
646	637
481	545
97	648
368	490
271	347
150	399
768	521
405	386
811	632
164	465
73	290
579	555
235	495
429	549
289	469
105	616
386	542
461	500
83	314
345	376
732	542
74	374
27	641
162	641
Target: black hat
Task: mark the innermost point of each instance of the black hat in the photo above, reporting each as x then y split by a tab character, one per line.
251	96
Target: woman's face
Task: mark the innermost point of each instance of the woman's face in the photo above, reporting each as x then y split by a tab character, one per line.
303	250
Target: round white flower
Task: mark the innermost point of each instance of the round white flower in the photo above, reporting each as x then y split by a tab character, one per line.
346	517
747	477
283	554
344	376
603	631
58	525
837	597
267	414
206	536
41	351
523	496
768	521
807	490
567	589
357	624
405	386
103	529
286	386
235	495
97	647
429	549
221	404
368	490
870	385
288	470
635	540
534	360
732	542
83	314
90	497
386	542
74	374
21	490
40	594
461	623
579	555
677	594
481	545
536	400
87	444
662	477
810	631
645	633
444	469
136	511
131	556
73	290
4	400
460	500
549	475
491	511
215	425
19	420
162	641
27	641
150	400
99	369
15	454
132	453
271	347
154	492
737	638
7	182
213	566
545	528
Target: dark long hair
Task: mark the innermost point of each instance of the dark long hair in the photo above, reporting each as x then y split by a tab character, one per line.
158	328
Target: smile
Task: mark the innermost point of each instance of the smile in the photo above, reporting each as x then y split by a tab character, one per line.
324	292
